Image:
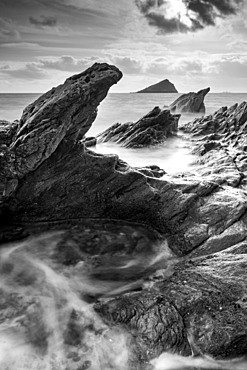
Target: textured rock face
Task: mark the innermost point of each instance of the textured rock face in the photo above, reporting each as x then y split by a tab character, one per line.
181	307
152	129
63	114
191	102
7	131
226	123
184	279
164	86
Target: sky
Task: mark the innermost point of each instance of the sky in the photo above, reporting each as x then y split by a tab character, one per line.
193	43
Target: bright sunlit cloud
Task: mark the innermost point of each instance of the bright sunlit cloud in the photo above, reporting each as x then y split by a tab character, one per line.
177	9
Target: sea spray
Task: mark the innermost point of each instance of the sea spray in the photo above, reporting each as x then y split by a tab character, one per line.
45	324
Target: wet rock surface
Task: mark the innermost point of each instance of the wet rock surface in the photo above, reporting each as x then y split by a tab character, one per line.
116	286
173	279
190	102
152	129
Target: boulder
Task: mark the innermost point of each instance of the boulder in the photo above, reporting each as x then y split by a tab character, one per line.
152	129
191	102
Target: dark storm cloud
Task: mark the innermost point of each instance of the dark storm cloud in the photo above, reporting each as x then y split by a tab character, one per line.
44	21
169	25
147	5
208	10
200	13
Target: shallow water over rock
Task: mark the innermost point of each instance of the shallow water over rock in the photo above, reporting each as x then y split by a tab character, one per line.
174	155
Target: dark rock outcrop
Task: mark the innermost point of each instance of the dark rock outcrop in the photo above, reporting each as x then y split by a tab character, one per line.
186	277
191	102
226	123
60	117
178	308
164	86
152	129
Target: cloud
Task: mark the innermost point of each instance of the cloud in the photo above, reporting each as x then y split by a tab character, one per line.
197	64
68	63
127	64
170	16
237	45
30	71
8	30
171	25
234	66
21	45
44	21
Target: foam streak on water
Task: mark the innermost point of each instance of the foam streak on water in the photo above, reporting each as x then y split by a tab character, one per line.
169	361
45	324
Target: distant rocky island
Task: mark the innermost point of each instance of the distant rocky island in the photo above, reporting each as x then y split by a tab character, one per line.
164	86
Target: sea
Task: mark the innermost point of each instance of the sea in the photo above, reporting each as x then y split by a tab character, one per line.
173	156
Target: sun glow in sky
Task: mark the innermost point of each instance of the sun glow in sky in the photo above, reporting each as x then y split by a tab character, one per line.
177	9
195	44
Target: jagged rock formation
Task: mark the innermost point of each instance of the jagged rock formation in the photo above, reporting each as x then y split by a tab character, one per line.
152	129
226	123
164	86
180	306
191	102
58	118
47	175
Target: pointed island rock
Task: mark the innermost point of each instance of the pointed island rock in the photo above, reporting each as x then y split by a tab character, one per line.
164	86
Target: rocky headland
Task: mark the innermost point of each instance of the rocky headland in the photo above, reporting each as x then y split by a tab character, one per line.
172	251
164	86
